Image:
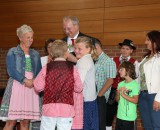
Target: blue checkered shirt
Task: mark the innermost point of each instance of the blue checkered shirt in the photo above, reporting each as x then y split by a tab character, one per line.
105	68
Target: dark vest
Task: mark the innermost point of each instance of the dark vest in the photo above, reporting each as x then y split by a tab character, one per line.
118	78
59	81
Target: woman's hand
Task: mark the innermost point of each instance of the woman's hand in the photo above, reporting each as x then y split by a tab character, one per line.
156	106
28	83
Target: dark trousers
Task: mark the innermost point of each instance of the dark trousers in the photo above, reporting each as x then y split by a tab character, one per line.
102	112
36	125
110	113
124	125
150	117
91	121
111	108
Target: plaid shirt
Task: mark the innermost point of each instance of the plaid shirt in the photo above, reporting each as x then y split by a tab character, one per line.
105	69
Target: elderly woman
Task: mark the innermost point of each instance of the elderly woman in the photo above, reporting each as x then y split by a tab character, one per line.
149	98
20	101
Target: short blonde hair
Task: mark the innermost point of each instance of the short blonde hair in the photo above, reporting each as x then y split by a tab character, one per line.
88	44
58	48
74	19
23	29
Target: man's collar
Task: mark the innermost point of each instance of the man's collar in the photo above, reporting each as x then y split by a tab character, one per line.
99	57
128	58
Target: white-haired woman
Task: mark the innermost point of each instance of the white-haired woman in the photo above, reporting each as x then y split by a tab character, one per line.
20	102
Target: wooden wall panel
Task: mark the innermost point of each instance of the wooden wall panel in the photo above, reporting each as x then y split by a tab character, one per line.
139	24
11	1
112	3
140	11
8	29
109	20
52	28
52	16
10	41
40	39
46	5
115	38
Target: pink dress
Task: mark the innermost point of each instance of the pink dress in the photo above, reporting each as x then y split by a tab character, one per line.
78	106
24	102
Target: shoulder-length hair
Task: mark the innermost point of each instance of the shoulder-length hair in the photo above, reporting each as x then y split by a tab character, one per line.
154	37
